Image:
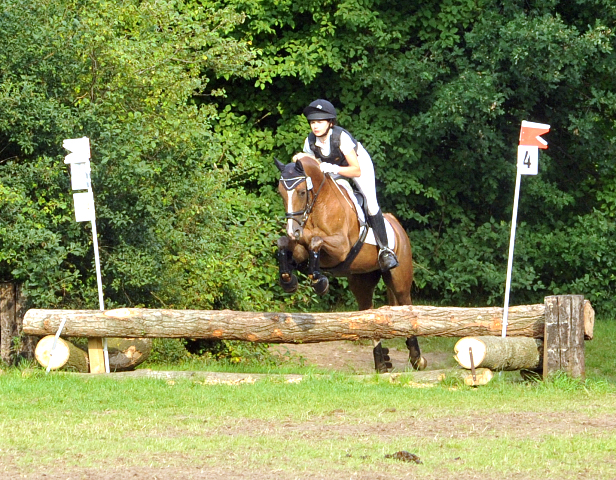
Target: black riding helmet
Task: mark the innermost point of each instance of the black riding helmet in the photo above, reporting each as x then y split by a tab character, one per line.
320	110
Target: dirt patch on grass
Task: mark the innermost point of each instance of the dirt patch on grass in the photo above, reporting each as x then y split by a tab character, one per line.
353	357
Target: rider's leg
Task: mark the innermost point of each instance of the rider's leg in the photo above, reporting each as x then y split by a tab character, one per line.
366	184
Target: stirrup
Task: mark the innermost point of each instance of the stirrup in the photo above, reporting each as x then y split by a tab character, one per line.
387	259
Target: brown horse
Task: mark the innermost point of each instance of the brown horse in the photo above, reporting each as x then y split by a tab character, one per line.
323	231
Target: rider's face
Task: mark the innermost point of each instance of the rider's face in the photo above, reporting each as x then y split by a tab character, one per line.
319	127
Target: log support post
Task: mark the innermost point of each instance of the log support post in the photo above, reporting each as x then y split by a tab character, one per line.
564	336
13	342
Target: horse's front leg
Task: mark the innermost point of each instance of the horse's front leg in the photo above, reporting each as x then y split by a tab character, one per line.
320	283
287	279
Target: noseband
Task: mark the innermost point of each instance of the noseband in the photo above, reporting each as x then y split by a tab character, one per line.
291	184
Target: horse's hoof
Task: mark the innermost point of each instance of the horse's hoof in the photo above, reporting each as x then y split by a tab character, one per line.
290	285
321	286
421	365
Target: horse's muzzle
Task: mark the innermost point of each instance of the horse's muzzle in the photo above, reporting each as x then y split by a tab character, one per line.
294	230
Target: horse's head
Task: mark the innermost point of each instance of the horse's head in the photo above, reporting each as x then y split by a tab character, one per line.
296	187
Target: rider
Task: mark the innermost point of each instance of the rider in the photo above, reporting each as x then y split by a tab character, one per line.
340	154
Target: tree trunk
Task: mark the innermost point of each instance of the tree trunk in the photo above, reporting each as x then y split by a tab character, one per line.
382	323
497	353
66	356
127	353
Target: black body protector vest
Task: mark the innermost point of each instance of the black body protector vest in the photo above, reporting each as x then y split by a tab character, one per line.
335	154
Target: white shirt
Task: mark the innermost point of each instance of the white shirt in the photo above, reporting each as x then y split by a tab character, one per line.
346	145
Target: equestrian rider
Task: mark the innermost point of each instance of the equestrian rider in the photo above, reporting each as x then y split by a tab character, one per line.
340	154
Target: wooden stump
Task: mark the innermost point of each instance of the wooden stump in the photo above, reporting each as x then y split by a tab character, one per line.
13	343
564	335
66	356
8	325
498	353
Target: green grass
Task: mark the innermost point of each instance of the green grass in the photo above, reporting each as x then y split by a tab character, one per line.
601	351
321	424
327	426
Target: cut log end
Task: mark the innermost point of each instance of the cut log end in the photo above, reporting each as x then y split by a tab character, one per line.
65	356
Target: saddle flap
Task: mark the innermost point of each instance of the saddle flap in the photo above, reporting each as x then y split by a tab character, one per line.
356	197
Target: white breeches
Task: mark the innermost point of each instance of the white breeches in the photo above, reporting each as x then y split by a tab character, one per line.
366	183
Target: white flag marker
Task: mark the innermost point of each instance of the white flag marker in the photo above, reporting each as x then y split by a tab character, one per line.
79	161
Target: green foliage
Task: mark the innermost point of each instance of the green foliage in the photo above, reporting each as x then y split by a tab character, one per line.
174	221
186	103
436	92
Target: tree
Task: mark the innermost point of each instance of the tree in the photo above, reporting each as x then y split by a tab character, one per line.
170	213
436	91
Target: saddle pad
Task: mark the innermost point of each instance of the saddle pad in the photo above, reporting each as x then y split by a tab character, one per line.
370	240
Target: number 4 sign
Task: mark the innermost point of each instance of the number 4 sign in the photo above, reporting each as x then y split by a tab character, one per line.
528	160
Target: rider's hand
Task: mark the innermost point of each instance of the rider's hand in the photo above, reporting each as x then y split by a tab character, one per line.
329	168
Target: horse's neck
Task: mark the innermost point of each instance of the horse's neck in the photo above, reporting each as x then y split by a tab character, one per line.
334	210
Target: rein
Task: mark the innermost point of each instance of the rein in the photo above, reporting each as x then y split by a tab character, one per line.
291	184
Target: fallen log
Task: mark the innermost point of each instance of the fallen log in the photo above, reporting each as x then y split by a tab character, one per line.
482	376
127	353
383	323
498	353
66	356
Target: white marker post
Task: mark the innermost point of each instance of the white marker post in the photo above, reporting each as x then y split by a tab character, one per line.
528	164
79	160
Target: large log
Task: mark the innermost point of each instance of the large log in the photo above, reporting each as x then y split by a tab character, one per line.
497	353
383	323
65	356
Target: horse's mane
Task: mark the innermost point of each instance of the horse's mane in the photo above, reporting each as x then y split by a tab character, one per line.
311	167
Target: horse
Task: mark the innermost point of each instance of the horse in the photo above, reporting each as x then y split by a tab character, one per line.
323	231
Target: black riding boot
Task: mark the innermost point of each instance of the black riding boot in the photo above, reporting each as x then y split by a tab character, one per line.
387	258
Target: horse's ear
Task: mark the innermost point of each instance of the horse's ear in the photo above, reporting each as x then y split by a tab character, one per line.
279	164
299	167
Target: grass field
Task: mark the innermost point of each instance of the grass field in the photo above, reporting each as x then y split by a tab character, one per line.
326	426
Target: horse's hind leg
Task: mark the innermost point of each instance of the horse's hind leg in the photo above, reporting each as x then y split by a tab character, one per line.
399	293
362	286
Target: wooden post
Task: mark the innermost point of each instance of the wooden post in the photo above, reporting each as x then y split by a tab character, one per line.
564	336
8	327
96	355
28	342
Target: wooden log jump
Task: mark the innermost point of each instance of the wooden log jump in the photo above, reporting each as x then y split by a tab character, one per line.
383	323
562	321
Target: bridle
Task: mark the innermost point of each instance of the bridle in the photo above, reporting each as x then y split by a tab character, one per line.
291	184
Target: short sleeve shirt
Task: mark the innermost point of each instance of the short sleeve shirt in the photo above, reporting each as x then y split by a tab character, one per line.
346	144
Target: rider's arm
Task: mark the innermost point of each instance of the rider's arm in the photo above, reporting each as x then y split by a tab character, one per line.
348	149
353	169
307	151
